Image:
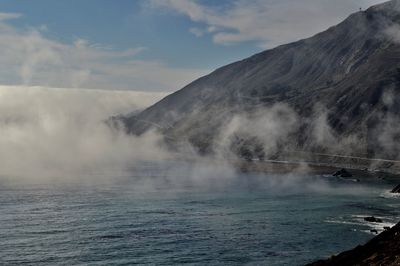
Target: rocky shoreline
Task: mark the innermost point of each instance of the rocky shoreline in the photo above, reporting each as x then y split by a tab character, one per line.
384	249
293	166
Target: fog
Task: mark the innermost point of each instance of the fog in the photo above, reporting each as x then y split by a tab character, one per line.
280	128
55	134
50	132
271	126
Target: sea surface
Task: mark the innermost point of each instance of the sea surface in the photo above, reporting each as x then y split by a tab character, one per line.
171	214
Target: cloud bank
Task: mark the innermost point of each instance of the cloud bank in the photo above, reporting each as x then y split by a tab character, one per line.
47	132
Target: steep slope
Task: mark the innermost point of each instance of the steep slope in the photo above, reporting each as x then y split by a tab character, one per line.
351	71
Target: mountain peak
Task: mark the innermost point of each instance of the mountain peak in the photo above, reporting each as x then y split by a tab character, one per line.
388	11
393	5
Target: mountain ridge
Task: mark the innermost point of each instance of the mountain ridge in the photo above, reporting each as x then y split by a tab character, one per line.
350	73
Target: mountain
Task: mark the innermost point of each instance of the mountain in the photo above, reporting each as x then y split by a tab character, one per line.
336	92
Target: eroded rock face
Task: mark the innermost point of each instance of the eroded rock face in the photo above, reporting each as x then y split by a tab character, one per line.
383	249
352	70
396	189
373	219
343	173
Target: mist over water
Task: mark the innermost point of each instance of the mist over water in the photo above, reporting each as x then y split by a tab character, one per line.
49	132
174	212
74	190
61	135
52	133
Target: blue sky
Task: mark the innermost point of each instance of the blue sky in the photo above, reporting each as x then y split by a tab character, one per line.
148	45
125	24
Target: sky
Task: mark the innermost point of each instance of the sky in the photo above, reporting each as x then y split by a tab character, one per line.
148	45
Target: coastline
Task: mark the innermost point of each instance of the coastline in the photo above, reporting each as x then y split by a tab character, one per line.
317	168
384	249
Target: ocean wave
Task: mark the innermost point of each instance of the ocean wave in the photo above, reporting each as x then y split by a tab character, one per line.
388	195
358	220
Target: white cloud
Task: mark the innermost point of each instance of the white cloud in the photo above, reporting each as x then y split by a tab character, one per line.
7	16
268	22
197	32
33	59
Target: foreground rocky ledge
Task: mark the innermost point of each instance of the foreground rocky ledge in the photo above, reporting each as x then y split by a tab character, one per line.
383	249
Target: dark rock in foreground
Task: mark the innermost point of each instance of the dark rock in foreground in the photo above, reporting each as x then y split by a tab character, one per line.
374	231
342	173
373	219
383	249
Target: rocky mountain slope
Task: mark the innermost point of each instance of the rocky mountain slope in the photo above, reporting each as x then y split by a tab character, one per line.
336	92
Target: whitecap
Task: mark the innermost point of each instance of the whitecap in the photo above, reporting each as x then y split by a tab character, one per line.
389	195
358	220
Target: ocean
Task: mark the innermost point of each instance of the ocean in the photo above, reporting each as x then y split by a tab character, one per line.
169	214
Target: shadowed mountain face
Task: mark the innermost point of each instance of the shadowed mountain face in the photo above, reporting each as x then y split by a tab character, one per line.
335	92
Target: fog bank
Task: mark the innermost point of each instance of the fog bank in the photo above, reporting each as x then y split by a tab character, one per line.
46	132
